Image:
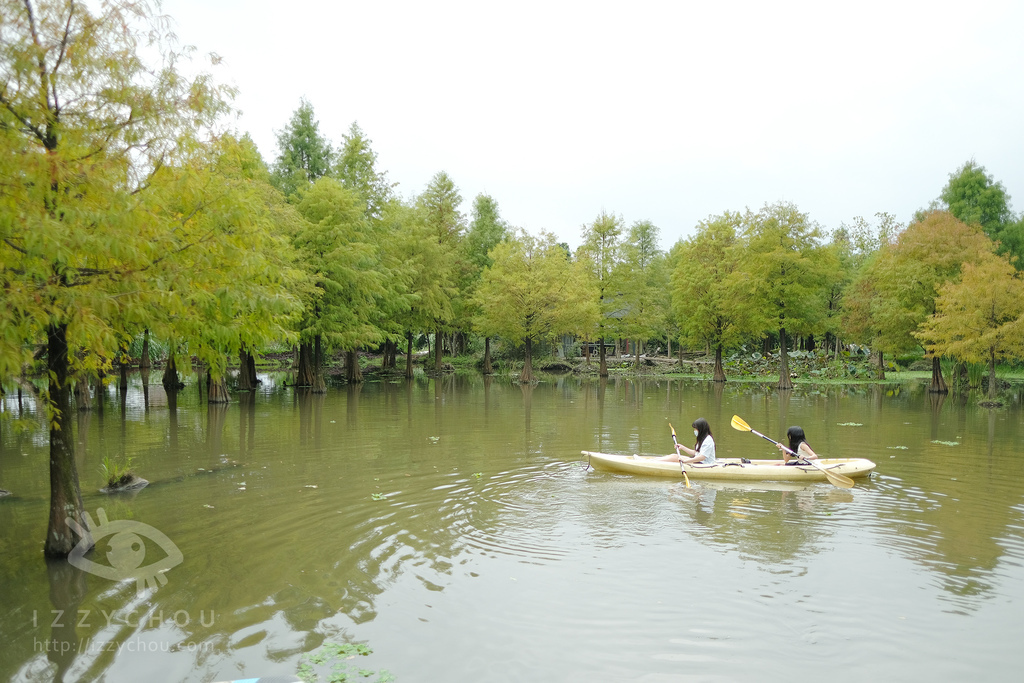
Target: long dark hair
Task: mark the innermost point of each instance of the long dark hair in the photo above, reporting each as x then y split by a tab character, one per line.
796	437
703	431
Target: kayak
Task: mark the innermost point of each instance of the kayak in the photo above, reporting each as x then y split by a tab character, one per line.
731	469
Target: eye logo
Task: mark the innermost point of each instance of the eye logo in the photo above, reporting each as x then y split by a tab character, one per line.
126	551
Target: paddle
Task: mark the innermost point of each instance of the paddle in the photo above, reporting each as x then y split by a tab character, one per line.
681	468
840	480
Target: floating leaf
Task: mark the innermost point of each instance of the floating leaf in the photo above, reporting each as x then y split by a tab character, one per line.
377	496
899	448
850	424
947	443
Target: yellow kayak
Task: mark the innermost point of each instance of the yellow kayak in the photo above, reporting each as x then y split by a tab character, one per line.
732	469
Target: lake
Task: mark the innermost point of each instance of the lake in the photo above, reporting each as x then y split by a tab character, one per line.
452	527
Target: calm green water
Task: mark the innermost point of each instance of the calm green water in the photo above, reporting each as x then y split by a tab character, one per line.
451	526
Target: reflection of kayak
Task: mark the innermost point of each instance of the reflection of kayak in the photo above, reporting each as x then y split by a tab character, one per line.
732	469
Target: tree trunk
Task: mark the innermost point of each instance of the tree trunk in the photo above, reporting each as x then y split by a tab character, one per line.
319	385
603	372
438	352
253	379
880	370
245	380
586	350
390	351
719	375
83	397
408	355
488	370
938	385
527	375
306	373
785	381
353	373
637	354
217	389
992	373
144	362
170	379
668	347
122	370
65	492
100	391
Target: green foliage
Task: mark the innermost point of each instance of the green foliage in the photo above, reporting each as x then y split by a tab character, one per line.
976	199
980	317
643	293
709	298
356	169
343	256
338	656
440	202
905	277
784	268
533	291
438	209
850	290
239	287
601	253
422	263
115	473
486	230
303	155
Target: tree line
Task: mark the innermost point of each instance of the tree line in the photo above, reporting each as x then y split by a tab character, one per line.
130	209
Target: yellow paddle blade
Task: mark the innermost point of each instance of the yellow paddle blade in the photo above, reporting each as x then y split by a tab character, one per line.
738	423
672	428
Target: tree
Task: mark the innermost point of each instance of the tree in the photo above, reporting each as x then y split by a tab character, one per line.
785	270
906	278
976	199
440	203
304	155
236	291
342	252
708	297
601	252
533	292
980	317
422	259
89	135
644	281
850	289
486	230
356	169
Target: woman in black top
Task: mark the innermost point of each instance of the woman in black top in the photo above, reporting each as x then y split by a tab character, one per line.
797	444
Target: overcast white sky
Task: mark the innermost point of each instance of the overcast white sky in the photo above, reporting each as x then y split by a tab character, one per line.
660	111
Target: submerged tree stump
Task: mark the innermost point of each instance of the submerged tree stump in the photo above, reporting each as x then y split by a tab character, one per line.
127	482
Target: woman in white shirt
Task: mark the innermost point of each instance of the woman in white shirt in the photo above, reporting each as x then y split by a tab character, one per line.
703	450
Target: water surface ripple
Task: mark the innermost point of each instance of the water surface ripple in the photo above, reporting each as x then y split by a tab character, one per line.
451	525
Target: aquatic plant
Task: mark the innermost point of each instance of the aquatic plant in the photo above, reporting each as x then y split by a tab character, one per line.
338	656
116	474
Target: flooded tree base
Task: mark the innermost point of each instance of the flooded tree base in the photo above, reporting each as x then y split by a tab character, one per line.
128	482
